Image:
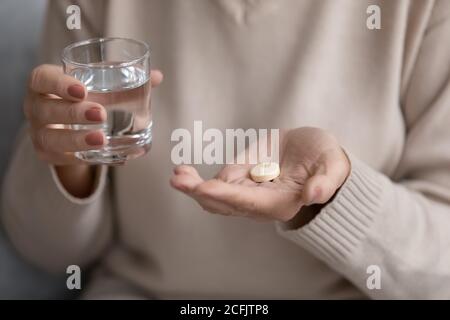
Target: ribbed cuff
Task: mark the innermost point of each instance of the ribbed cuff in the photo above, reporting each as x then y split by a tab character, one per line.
340	227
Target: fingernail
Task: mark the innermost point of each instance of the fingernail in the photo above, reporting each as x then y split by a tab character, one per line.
315	197
94	139
93	114
76	91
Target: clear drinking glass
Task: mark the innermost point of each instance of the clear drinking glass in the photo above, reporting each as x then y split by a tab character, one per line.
116	73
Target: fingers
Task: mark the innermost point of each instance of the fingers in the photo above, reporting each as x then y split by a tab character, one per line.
332	170
55	98
218	196
50	79
63	140
41	110
59	158
234	173
185	179
254	201
156	77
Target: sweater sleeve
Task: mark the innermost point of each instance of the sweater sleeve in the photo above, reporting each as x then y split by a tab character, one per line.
399	224
47	225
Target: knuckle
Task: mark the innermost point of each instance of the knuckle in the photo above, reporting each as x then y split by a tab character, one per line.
72	112
76	141
35	76
42	114
43	139
59	85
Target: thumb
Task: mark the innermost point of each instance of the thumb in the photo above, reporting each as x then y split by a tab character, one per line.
318	189
156	77
333	169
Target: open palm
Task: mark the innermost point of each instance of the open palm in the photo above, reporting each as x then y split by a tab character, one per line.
313	166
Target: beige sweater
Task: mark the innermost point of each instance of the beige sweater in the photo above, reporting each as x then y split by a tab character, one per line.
384	93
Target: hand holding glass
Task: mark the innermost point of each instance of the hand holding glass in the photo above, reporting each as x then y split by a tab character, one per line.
116	73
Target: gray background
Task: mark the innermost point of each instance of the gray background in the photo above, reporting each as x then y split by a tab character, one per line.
20	27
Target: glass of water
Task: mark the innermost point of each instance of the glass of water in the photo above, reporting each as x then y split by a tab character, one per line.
116	73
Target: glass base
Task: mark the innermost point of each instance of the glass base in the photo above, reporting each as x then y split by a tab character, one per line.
119	149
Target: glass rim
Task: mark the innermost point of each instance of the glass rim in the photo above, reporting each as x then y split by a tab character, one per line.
71	46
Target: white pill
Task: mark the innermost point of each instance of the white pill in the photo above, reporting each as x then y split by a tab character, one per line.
265	171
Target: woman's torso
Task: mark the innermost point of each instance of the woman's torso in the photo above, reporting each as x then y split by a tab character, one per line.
250	64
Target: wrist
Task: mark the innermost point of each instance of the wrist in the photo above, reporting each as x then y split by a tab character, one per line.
78	180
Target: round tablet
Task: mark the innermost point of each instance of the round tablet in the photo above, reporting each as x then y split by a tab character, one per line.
265	171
